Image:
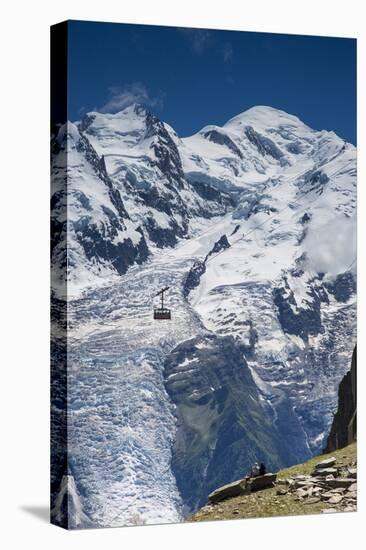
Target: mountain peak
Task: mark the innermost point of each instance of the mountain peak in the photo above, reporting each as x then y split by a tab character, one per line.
67	132
132	109
265	116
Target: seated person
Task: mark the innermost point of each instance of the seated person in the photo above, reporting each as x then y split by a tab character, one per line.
262	469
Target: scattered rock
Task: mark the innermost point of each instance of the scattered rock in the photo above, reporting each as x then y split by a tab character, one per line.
328	477
281	491
312	500
335	499
325	472
236	511
353	488
282	482
301	484
340	482
230	490
329	510
352	472
327	463
327	495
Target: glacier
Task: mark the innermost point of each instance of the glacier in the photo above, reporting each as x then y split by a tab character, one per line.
252	226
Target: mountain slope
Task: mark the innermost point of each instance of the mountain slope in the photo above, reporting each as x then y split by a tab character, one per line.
251	225
284	271
92	234
289	500
144	163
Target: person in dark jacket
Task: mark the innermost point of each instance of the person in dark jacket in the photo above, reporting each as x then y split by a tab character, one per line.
262	469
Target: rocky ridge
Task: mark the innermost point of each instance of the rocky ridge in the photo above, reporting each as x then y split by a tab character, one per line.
320	485
332	483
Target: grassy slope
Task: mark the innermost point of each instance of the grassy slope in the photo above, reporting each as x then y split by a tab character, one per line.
267	503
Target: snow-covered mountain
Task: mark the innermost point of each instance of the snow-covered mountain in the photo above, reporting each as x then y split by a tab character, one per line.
144	162
252	226
91	229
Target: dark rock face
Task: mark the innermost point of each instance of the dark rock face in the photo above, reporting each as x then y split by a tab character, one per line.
305	218
163	236
264	145
96	247
99	242
58	407
295	148
314	180
219	245
194	276
166	153
208	192
222	428
343	287
303	322
344	426
198	269
222	139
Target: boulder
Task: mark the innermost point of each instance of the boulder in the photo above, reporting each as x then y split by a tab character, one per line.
320	481
353	488
352	472
302	484
242	487
335	499
322	472
330	476
301	493
282	482
261	482
230	490
344	482
312	500
327	463
327	495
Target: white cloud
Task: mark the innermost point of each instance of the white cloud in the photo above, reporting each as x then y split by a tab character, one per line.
122	97
200	39
331	248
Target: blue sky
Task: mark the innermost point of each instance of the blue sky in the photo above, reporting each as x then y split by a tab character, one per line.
194	77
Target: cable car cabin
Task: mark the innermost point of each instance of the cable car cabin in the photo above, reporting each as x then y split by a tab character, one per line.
162	313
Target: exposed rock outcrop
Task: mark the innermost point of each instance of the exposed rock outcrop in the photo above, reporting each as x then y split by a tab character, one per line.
344	426
333	485
242	487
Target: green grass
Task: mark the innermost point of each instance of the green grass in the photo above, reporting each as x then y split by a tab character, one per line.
344	456
267	503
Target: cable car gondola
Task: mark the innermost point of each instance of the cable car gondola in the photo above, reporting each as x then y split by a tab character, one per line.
162	313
